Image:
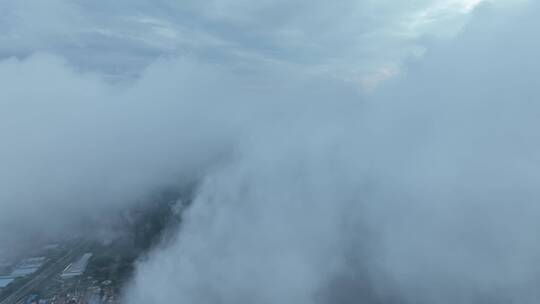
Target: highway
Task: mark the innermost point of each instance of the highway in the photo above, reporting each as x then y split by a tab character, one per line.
46	274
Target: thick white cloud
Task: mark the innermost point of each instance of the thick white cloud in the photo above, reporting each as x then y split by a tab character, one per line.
62	119
427	193
77	150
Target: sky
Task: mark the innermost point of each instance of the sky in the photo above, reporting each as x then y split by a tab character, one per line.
374	151
352	39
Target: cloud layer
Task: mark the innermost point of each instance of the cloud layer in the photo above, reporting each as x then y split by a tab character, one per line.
76	146
77	151
349	39
426	193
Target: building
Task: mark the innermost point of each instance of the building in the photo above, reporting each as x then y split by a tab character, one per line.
28	267
76	268
5	281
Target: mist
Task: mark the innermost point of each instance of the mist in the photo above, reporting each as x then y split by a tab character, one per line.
390	157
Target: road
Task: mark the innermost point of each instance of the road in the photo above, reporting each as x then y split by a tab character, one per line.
46	274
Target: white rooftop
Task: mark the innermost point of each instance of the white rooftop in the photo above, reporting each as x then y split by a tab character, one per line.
5	281
28	266
77	268
21	272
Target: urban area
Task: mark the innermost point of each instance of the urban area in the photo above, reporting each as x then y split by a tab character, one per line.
76	272
82	271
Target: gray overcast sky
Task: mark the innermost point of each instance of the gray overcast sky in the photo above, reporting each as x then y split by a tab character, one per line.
349	39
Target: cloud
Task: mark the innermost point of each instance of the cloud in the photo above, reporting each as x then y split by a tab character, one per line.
77	151
424	193
84	144
348	40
